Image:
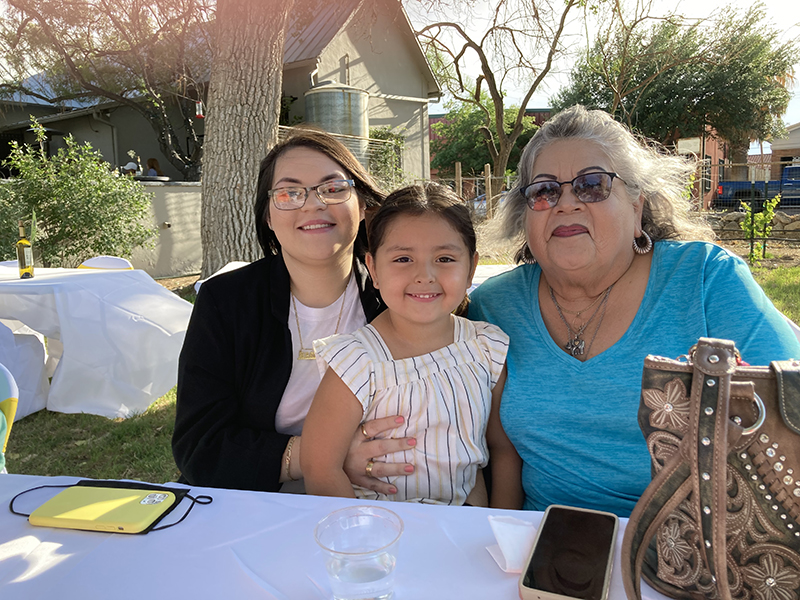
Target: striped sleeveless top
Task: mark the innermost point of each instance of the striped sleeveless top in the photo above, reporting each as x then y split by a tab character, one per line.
444	395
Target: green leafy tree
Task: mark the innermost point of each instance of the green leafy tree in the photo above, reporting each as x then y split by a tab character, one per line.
82	207
457	138
151	56
669	78
519	44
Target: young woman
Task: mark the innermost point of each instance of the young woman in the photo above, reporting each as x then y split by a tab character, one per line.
442	372
245	380
153	168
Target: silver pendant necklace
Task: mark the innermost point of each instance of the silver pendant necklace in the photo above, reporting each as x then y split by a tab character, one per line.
576	345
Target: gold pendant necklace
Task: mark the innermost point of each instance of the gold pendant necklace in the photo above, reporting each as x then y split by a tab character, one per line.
308	353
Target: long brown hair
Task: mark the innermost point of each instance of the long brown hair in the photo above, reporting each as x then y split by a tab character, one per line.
304	137
152	163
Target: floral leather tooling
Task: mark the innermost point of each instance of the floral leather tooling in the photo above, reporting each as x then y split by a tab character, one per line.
694	434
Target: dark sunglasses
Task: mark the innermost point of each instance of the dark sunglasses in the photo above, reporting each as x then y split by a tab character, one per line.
588	188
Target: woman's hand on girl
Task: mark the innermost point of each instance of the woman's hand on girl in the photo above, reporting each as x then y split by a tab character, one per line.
364	449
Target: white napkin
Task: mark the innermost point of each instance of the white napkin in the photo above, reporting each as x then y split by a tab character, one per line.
514	541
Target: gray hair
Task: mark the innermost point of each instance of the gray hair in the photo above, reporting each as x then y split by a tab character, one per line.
662	179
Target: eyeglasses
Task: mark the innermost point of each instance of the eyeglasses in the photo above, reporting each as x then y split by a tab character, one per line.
330	192
588	188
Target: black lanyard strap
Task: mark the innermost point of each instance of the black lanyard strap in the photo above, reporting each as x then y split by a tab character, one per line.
180	493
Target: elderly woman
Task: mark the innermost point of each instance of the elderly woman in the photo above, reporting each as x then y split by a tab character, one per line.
615	271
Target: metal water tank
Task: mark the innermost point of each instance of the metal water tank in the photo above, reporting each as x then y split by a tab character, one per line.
342	109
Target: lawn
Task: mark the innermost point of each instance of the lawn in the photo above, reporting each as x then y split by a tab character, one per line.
783	288
51	443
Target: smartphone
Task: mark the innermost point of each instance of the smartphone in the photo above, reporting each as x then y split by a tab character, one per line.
117	510
571	555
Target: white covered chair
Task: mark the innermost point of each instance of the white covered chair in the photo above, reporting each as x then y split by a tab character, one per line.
237	264
106	262
22	351
8	404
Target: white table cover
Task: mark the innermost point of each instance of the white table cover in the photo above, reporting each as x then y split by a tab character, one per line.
483	272
247	545
121	334
22	352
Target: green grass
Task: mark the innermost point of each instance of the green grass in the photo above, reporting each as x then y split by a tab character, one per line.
51	443
783	288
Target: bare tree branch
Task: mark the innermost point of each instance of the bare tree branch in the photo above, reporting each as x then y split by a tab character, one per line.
518	33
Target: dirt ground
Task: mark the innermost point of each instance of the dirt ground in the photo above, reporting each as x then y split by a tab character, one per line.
779	254
180	285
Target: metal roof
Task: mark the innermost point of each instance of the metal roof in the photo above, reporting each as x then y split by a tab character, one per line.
308	35
39	84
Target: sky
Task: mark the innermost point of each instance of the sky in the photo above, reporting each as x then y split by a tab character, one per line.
784	14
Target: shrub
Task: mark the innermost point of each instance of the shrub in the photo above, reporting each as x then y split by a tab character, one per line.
385	161
82	207
758	225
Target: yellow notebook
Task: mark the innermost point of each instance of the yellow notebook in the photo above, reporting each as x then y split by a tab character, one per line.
116	510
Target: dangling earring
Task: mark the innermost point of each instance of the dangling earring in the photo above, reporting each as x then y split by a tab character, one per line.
524	256
642	248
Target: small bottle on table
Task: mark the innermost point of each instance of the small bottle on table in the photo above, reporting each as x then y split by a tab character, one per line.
24	254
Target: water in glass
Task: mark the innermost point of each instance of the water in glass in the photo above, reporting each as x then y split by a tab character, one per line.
358	579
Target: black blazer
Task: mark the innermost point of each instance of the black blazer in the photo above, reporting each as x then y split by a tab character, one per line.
233	369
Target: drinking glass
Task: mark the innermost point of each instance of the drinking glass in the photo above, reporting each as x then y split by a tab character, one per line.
360	545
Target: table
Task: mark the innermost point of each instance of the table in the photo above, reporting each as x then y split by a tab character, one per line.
247	545
484	272
121	334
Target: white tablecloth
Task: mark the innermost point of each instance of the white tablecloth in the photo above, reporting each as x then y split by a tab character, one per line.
121	334
483	272
246	545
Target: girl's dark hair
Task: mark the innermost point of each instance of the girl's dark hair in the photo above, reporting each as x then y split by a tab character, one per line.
304	137
418	200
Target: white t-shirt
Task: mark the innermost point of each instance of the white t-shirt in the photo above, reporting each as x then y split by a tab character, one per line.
315	323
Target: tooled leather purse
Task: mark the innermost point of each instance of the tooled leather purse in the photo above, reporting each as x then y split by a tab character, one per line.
721	517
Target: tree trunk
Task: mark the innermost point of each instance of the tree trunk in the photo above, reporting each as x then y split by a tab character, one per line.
501	162
244	104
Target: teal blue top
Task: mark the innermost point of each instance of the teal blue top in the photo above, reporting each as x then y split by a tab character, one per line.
574	423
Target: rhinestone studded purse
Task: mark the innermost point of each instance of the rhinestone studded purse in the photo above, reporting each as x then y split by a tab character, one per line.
721	518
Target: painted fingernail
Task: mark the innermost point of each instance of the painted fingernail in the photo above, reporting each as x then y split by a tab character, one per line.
399	420
409	469
412	442
392	490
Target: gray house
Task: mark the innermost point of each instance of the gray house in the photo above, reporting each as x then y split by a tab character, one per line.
351	66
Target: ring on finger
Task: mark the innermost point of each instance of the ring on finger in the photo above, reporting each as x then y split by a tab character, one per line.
370	464
364	431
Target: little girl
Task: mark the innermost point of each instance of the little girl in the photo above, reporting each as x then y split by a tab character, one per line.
445	374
